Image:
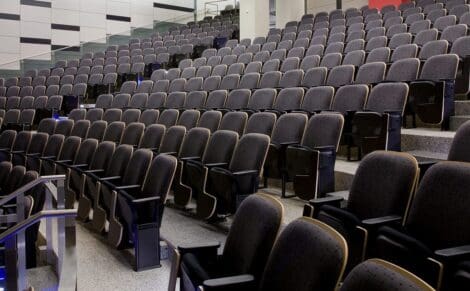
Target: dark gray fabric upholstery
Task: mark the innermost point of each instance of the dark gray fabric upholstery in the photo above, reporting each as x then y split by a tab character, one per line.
378	275
302	240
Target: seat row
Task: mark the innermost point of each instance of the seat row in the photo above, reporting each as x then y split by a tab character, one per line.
314	253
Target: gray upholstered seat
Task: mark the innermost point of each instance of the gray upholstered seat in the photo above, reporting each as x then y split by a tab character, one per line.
258	214
376	274
318	147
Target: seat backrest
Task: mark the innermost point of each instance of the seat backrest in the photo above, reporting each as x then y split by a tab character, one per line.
47	125
447	65
289	128
216	99
371	73
323	130
459	150
168	117
139	100
238	99
7	138
137	167
250	152
300	241
340	76
152	137
433	48
97	129
220	147
252	234
210	120
441	198
119	160
80	128
175	100
388	97
194	143
157	184
121	100
351	97
261	122
374	274
189	118
405	70
38	142
156	100
172	140
372	183
22	140
94	114
318	98
133	133
235	121
289	99
86	151
114	131
64	127
149	117
130	115
70	148
77	114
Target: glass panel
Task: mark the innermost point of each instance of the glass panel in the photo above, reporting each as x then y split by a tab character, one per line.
47	60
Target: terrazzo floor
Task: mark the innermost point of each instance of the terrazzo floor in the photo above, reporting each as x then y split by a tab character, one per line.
104	268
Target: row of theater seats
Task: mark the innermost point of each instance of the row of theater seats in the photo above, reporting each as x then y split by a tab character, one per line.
12	178
386	99
404	220
76	158
306	255
407	228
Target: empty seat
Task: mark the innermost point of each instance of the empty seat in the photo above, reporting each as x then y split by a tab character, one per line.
376	273
371	73
266	215
317	99
289	129
210	120
168	117
380	128
437	110
310	165
224	186
189	118
425	246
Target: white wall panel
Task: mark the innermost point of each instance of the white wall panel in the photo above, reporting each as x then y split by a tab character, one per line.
92	20
118	8
95	6
35	29
118	27
10	44
63	16
35	13
36	51
10	27
10	6
7	63
65	37
66	4
92	34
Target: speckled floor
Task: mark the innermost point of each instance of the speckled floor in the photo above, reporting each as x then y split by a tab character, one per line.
101	267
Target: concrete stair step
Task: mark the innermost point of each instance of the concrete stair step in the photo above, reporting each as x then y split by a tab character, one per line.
462	107
427	140
458	120
429	155
42	278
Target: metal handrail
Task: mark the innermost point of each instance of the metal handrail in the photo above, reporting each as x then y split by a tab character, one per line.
12	231
14	238
29	186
